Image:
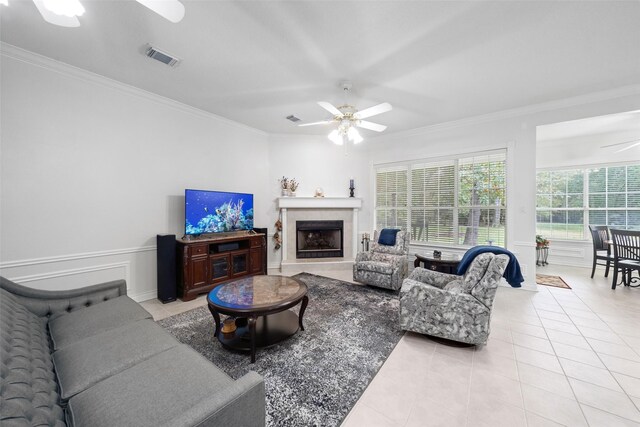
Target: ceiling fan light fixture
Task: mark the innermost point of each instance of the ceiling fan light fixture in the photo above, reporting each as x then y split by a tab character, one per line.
335	137
69	8
55	19
354	135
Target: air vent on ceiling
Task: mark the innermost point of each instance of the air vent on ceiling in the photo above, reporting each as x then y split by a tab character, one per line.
161	56
293	118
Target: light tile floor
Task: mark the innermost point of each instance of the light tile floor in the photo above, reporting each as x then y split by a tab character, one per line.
555	357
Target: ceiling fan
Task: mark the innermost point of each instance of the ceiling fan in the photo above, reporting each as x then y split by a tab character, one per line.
632	143
348	119
65	12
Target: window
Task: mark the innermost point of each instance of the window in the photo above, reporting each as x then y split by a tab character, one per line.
559	200
482	200
433	202
569	200
391	198
457	202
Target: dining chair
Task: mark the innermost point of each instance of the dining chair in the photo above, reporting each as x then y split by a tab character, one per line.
601	248
626	255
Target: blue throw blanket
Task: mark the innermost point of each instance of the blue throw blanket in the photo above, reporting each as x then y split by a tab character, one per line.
512	274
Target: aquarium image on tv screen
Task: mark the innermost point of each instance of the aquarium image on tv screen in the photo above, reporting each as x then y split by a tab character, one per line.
217	211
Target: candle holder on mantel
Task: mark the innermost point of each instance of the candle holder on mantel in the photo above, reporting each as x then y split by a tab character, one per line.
351	188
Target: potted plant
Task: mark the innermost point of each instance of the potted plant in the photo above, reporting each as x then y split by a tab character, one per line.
288	186
293	186
284	185
541	242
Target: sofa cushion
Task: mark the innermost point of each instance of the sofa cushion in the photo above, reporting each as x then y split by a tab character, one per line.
29	393
376	267
388	258
84	363
151	392
95	319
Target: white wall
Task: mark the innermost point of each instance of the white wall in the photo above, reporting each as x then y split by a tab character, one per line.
316	162
516	131
92	170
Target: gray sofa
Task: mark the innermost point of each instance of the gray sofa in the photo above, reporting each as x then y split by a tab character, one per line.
94	357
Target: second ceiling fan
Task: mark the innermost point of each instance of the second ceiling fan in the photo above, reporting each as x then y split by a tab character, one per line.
348	118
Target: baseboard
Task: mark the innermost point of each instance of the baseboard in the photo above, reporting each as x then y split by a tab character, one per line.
144	296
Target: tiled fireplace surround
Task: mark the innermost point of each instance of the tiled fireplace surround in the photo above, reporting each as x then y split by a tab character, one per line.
294	209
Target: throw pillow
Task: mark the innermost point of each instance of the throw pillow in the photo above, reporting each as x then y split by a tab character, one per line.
388	236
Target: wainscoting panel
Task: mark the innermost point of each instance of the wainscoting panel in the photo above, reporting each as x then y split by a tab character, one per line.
576	254
135	265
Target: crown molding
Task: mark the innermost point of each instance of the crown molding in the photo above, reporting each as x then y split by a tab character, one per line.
589	98
19	54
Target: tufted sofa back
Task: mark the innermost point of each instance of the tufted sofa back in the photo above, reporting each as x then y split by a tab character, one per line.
29	390
64	301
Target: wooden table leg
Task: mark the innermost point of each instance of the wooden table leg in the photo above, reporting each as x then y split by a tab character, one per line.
216	318
252	332
303	307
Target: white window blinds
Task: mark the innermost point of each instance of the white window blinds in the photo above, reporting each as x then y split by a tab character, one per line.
391	198
457	201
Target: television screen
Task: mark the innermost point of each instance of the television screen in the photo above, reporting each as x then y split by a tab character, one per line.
217	211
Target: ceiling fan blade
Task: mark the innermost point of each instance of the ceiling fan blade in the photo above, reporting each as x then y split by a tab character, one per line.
171	10
330	108
52	18
371	126
372	111
619	143
323	122
628	148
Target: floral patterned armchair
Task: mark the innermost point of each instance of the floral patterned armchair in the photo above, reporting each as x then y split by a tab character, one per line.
383	266
450	306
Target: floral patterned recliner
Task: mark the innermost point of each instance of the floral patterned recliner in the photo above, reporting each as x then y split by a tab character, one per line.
383	266
450	306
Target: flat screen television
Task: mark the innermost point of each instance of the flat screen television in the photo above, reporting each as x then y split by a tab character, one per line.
217	211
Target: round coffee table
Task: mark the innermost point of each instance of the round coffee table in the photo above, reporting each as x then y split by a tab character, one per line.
261	307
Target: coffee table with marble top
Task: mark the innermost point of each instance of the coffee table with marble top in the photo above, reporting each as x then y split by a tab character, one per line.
261	306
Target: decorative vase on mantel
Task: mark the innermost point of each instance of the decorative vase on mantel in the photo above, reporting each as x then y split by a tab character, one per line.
286	192
292	193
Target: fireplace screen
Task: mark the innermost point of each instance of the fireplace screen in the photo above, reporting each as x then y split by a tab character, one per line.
319	239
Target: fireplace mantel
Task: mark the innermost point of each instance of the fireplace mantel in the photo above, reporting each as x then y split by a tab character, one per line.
319	203
292	208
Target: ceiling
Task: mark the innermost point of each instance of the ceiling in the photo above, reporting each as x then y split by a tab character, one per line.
626	124
257	62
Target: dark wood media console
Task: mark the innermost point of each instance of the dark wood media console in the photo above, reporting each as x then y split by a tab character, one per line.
205	263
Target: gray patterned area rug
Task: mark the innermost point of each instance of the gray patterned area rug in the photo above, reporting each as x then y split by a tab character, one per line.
315	377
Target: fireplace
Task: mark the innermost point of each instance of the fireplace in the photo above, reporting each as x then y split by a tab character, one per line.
319	239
